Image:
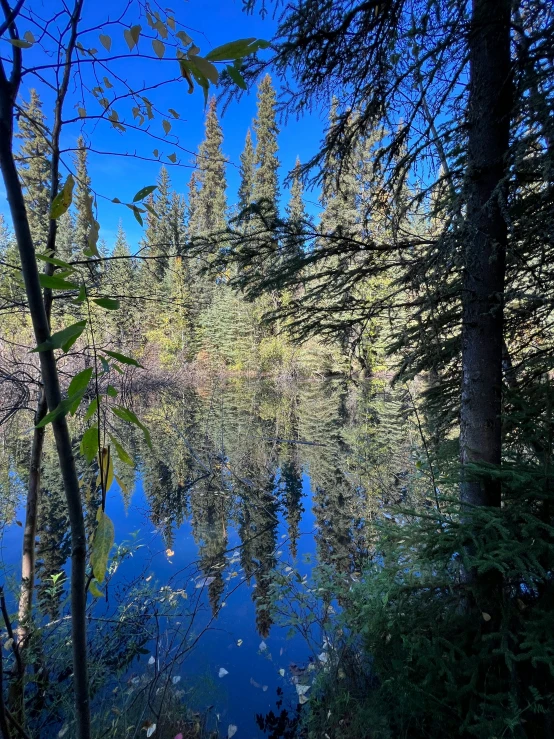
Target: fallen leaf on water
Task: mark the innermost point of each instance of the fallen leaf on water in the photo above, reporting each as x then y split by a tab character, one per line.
486	616
151	661
264	688
148	578
204	582
302	699
302	689
323	657
63	731
150	727
175	679
169	552
232	730
239	642
263	646
223	672
282	672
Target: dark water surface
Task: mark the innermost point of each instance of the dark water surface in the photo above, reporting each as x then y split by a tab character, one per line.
244	480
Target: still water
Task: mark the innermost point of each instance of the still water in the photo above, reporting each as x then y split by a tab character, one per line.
247	484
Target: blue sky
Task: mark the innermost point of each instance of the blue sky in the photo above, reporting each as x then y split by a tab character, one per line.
210	23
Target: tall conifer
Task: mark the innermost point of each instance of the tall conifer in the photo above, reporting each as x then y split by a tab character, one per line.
34	168
266	181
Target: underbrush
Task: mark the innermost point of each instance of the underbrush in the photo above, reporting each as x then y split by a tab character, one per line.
450	630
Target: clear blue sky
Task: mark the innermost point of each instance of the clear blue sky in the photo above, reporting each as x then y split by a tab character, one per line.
210	23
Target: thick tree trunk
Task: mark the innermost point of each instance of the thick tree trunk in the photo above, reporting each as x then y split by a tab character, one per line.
53	397
485	247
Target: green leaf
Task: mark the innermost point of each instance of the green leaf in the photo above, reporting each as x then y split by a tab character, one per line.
237	77
107	303
95	590
63	199
122	358
63	339
144	192
101	546
82	295
56	283
206	68
91	410
123	455
111	391
233	50
60	410
89	443
137	214
80	381
56	262
126	415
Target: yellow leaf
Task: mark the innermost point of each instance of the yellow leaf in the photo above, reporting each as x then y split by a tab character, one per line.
486	616
169	552
132	36
95	590
101	546
82	112
159	48
106	467
63	199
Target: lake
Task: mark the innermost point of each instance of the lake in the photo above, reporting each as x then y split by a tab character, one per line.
248	485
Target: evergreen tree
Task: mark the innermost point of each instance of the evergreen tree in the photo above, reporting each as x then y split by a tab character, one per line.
266	180
207	198
160	230
296	214
119	278
247	173
34	168
82	200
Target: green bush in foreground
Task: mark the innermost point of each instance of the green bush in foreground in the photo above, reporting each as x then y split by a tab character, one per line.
453	622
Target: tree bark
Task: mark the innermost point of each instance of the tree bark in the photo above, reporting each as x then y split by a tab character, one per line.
485	248
53	397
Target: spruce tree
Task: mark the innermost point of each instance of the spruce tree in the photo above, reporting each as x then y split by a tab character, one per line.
208	206
296	214
34	168
247	173
266	180
158	239
82	200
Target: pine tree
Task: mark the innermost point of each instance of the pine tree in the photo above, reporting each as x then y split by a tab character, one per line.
34	168
266	180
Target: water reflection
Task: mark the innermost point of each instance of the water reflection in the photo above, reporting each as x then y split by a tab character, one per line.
243	477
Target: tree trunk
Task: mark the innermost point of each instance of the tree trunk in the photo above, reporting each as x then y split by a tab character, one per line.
485	247
53	397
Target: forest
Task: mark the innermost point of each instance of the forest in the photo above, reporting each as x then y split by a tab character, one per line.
276	369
